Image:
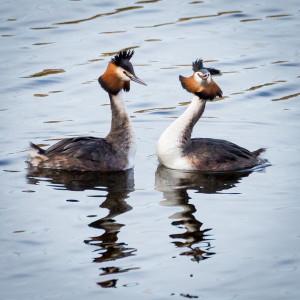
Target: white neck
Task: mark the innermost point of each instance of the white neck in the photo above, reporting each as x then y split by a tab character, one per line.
182	127
119	102
178	134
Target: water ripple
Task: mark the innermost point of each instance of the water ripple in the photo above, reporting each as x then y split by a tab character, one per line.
260	86
118	10
46	72
147	1
191	18
42	28
279	16
250	20
287	97
154	109
116	52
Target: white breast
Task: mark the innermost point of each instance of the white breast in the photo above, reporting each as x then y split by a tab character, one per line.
169	147
168	150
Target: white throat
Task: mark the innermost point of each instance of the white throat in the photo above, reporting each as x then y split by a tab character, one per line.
171	142
119	102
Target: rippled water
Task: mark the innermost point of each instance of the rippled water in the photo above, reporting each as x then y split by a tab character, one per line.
150	233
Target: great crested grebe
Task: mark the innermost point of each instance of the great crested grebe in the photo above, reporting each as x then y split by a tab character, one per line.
176	149
114	152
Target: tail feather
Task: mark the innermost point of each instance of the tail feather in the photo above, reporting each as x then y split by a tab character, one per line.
37	148
36	155
259	151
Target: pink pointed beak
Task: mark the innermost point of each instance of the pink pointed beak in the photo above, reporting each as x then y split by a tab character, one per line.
136	79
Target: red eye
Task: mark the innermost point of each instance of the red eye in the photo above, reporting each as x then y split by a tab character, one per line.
124	72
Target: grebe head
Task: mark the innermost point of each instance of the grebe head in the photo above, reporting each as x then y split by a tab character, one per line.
119	73
201	75
201	83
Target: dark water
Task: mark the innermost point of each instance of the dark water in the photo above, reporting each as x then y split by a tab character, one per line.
150	233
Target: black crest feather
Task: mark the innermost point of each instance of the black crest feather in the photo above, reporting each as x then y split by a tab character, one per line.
121	56
214	71
198	65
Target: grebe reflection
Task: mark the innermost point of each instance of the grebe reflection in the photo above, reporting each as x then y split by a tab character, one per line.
174	184
118	186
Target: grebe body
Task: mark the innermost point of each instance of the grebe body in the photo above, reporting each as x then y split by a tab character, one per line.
177	150
114	152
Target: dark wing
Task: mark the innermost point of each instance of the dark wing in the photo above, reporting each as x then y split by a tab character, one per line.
216	153
88	148
221	149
